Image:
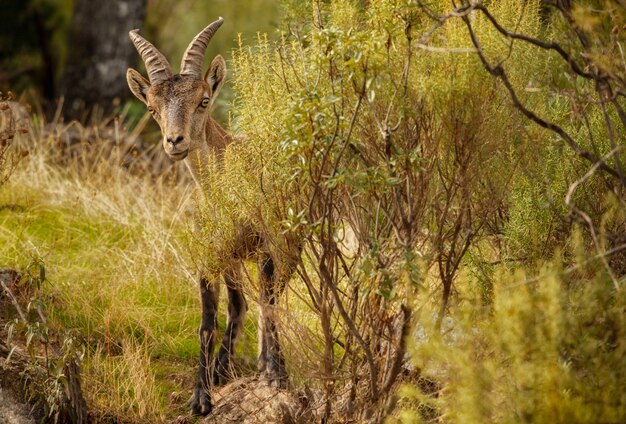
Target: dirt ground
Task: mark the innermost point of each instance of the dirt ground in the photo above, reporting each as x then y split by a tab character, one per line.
12	411
253	401
246	401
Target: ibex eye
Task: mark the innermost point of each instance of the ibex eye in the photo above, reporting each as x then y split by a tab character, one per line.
205	102
150	109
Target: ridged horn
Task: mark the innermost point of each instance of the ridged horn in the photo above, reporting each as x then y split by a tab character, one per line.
193	58
158	67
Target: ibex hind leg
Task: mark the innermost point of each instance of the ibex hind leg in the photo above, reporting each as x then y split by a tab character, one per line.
271	362
237	307
200	401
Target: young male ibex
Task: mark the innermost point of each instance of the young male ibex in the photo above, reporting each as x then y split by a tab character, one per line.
180	104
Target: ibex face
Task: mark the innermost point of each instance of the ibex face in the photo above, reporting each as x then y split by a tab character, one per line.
179	103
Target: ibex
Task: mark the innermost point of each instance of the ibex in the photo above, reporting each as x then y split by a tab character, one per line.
180	104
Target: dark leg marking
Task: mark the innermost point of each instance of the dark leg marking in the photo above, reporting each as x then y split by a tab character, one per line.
237	307
271	362
200	402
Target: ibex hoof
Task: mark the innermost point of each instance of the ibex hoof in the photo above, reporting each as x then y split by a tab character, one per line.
200	402
278	382
275	372
276	378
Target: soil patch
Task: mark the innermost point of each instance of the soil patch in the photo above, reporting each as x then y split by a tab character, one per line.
12	411
253	401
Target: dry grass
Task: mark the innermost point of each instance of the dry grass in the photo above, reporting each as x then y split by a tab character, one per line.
111	220
135	396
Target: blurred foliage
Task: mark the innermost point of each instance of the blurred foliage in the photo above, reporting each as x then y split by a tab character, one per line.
13	123
172	25
549	350
33	42
601	26
34	38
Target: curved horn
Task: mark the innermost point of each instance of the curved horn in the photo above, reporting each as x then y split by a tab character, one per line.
158	67
191	64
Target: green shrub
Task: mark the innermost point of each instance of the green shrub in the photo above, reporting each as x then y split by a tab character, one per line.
549	350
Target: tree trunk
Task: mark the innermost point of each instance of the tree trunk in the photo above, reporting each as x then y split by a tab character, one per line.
99	54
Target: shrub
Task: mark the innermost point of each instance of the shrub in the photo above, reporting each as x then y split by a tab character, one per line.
548	351
385	164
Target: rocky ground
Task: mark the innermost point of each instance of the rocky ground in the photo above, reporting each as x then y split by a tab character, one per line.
253	401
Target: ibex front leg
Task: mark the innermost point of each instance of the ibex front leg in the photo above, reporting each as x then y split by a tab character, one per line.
237	308
271	362
209	293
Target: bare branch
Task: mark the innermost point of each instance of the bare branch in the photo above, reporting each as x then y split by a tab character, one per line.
543	44
499	72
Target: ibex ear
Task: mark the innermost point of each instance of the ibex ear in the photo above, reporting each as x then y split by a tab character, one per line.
137	84
216	75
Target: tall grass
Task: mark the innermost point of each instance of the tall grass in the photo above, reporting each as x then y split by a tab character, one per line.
110	221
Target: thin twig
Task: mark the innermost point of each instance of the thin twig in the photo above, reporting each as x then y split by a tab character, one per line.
570	269
584	216
445	49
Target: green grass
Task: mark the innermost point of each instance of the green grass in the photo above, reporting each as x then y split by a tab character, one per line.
119	274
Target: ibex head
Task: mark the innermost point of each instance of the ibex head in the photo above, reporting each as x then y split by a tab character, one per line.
179	103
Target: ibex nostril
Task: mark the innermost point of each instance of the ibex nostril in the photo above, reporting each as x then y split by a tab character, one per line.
175	140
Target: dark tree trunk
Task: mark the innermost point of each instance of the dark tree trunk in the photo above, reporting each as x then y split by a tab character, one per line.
99	54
